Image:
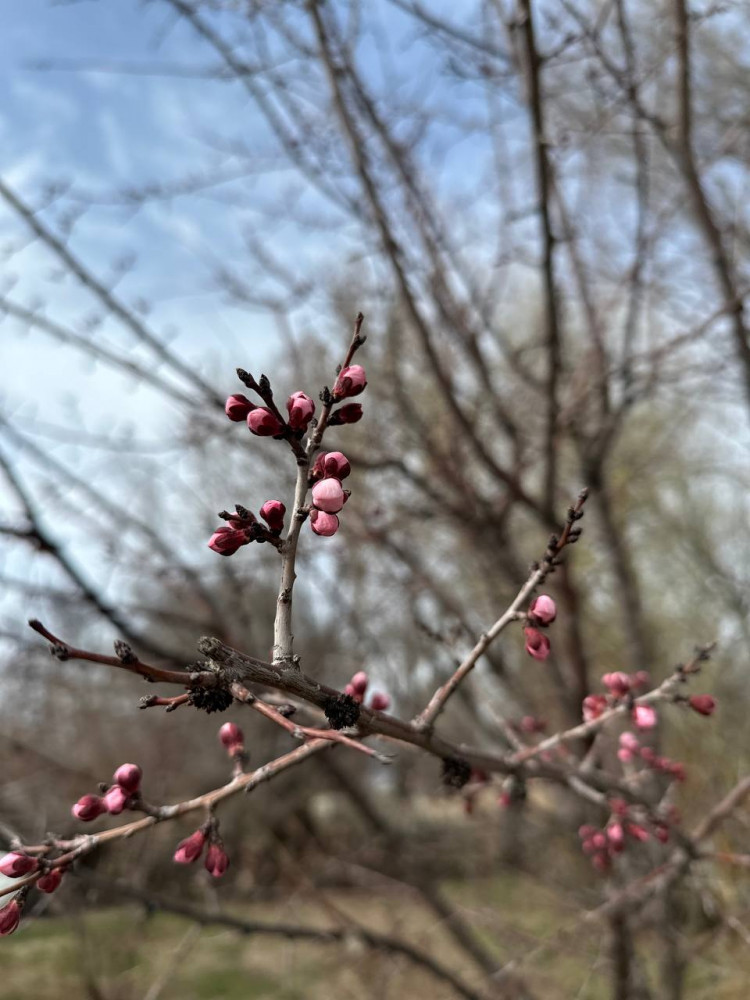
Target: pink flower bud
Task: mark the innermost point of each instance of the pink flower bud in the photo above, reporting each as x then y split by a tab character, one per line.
543	609
601	862
640	680
359	682
617	682
328	495
300	409
190	849
624	755
594	705
380	702
648	755
661	832
349	414
619	807
232	738
226	541
15	864
638	832
599	840
349	689
703	704
50	881
616	837
272	513
335	464
217	860
629	741
586	832
351	381
115	800
264	423
644	716
128	777
88	807
537	644
323	524
10	916
237	407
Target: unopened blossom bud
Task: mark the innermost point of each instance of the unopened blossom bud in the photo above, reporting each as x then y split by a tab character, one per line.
661	832
543	610
115	800
237	407
703	704
232	738
351	381
537	644
638	832
328	495
190	849
617	682
128	777
226	541
336	464
599	840
323	524
300	409
272	513
380	702
601	862
616	837
644	716
629	746
49	882
593	706
217	860
88	807
648	754
586	832
359	683
10	916
264	423
640	679
349	414
15	864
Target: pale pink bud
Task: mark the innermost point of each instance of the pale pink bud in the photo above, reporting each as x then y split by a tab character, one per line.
349	689
323	524
217	860
128	777
10	916
272	513
537	644
300	409
359	682
351	381
328	495
543	609
190	849
50	881
88	807
616	837
624	755
15	864
703	704
599	840
594	705
232	738
380	702
237	407
349	414
335	464
630	742
644	716
264	423
617	682
115	800
638	832
226	541
586	832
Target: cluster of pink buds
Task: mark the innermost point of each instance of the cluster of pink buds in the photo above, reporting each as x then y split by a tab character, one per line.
266	421
357	689
191	848
243	527
328	495
603	845
630	749
542	612
122	794
621	686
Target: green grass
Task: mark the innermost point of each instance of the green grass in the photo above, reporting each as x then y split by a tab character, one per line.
118	954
